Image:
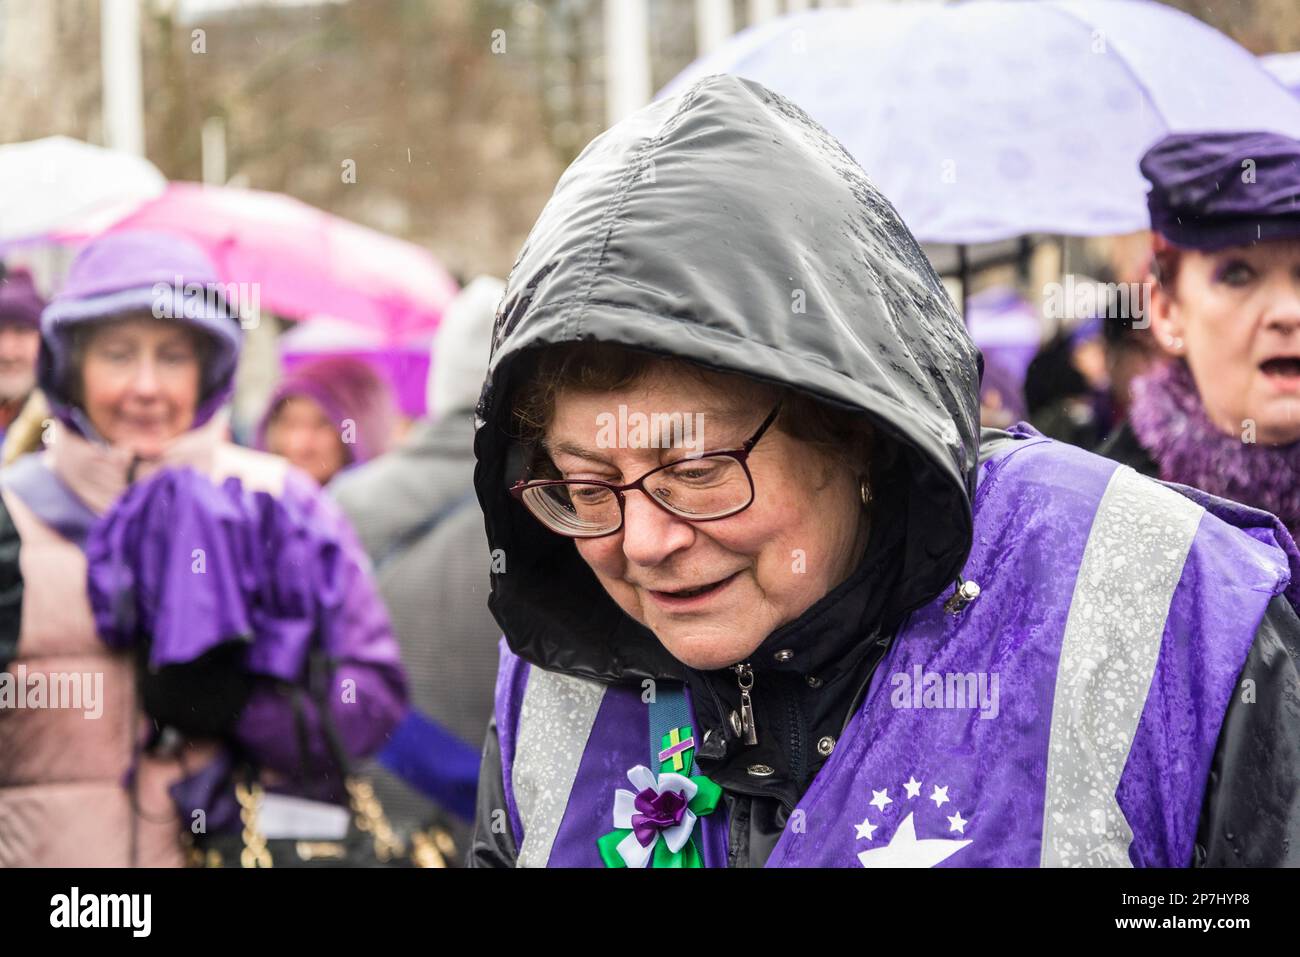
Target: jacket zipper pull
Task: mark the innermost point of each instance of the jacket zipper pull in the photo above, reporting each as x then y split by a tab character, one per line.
743	723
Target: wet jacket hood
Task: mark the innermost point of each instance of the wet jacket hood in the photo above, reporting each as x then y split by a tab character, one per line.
724	226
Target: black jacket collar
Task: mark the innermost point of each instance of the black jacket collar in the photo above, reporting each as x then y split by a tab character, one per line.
807	677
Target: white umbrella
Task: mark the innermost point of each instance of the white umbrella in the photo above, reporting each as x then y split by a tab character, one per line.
990	119
56	182
1286	67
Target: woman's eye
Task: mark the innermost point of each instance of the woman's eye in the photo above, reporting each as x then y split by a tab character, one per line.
1236	274
694	471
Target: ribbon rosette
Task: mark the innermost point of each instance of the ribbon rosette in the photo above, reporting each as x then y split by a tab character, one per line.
655	822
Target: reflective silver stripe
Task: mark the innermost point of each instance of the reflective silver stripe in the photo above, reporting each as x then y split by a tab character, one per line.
1131	565
555	721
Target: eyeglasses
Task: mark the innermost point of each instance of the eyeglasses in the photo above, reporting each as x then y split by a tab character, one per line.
702	488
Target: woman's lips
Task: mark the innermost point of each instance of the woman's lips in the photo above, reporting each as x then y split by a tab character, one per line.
146	420
1282	373
676	601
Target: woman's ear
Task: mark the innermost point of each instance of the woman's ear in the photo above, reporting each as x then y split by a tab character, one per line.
1167	322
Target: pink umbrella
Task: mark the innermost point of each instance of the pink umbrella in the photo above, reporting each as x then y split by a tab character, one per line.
303	260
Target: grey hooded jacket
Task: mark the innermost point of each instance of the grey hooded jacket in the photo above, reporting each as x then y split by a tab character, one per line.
725	227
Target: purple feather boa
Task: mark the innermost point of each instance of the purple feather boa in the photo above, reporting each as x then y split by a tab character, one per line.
1168	419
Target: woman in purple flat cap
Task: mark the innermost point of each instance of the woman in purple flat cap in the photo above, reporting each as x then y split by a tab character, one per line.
1223	414
172	590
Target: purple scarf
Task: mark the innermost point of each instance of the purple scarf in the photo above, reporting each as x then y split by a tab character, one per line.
1168	419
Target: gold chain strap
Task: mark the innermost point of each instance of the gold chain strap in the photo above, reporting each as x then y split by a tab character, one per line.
428	851
255	853
370	818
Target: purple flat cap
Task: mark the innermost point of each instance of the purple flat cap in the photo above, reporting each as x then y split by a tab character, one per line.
20	303
1214	190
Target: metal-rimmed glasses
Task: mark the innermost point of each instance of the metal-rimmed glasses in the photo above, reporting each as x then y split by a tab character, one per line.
699	488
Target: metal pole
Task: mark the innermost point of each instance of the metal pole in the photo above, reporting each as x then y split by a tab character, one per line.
627	57
213	139
123	90
714	23
760	11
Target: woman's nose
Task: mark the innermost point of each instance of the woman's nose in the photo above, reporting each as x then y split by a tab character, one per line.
146	377
1286	319
651	534
1283	312
10	343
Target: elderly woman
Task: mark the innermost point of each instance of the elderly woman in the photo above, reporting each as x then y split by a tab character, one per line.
20	339
239	573
1223	413
768	596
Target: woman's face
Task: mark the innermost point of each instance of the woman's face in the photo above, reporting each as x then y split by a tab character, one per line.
799	538
140	383
1235	316
19	346
301	431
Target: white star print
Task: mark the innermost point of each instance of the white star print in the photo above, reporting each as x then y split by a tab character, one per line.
940	796
957	824
866	829
904	850
880	798
913	787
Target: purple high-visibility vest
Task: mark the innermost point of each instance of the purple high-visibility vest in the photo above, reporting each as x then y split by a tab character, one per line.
1067	717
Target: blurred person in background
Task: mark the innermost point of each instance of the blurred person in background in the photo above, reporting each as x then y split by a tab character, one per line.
1130	353
415	512
1067	386
329	415
1001	401
199	655
20	341
1221	412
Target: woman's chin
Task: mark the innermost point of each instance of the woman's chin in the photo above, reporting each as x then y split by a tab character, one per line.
1281	426
145	446
707	649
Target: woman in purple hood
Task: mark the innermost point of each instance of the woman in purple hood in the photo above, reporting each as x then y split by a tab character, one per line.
1223	414
172	591
328	415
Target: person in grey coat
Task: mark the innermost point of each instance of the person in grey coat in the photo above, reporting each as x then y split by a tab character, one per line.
415	513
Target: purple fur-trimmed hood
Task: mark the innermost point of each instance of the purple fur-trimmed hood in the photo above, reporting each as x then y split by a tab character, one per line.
1169	420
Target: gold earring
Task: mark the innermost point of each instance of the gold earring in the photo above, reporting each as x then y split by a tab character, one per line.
864	490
